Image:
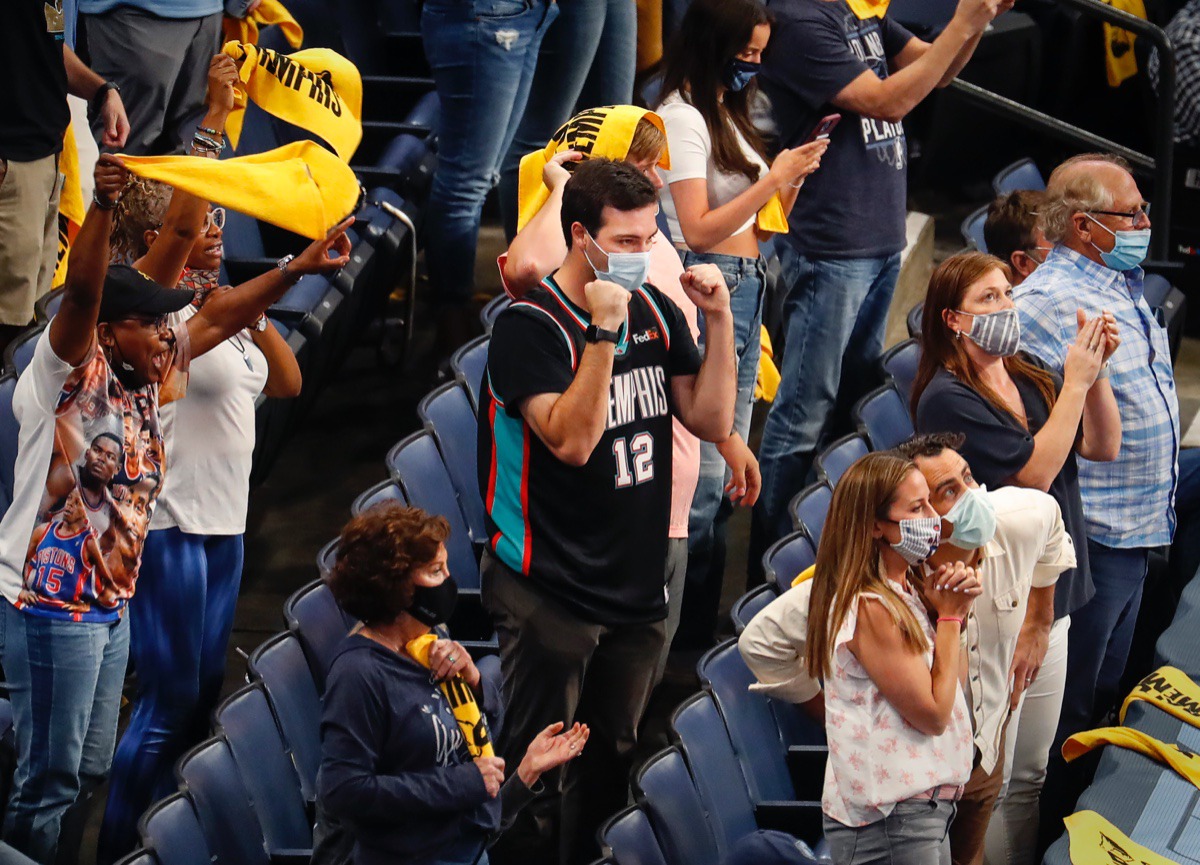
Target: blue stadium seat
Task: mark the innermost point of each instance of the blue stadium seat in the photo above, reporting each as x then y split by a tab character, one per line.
266	768
426	112
832	463
913	320
469	364
900	364
447	414
47	305
318	622
700	733
495	306
416	465
279	664
384	491
664	789
10	432
750	604
19	353
972	229
171	830
882	417
326	556
222	802
787	558
137	857
627	838
809	509
1178	646
1022	174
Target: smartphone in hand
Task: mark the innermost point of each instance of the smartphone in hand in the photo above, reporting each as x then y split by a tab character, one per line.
823	129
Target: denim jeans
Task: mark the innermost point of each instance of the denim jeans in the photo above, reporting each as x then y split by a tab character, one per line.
834	318
746	278
587	59
482	54
915	833
65	679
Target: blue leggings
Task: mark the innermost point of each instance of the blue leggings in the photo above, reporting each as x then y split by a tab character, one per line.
180	621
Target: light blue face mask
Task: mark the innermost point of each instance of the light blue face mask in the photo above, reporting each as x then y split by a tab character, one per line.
974	519
1130	247
626	269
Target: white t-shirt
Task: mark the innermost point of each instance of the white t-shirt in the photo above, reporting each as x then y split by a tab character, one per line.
210	439
691	158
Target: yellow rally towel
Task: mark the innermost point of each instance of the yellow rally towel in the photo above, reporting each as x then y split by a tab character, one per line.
1183	761
864	9
70	204
605	132
1119	60
1095	841
805	575
301	187
268	12
767	383
461	699
1171	690
316	89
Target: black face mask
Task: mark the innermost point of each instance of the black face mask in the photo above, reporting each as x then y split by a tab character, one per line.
433	605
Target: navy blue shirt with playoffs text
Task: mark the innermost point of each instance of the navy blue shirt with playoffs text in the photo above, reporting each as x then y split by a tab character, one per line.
854	205
594	537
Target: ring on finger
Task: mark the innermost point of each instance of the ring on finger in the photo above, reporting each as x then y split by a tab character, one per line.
452	658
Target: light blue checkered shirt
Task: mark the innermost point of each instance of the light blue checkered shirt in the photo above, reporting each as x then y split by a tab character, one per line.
1129	502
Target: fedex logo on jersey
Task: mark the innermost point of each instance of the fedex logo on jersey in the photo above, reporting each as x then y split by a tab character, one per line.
648	335
639	393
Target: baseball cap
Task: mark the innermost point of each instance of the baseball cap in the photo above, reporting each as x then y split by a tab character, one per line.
129	292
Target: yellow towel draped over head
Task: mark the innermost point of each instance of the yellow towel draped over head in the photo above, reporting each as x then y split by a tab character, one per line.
606	132
316	89
460	699
268	12
301	187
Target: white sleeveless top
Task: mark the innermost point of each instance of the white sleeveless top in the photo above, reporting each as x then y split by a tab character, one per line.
876	758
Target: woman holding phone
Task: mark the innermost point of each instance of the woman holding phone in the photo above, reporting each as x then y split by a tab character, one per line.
900	741
721	197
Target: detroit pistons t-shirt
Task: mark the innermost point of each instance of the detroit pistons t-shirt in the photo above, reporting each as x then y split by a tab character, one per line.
854	205
594	536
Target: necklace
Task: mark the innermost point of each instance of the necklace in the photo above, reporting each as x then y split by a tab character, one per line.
236	339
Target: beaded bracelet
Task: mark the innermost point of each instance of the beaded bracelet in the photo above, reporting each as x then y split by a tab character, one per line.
214	132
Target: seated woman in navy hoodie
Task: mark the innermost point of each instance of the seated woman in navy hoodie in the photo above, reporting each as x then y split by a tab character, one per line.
407	762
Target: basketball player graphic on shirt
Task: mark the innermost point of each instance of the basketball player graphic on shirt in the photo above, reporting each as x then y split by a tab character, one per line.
62	553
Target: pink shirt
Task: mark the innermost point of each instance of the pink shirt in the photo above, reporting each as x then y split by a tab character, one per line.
665	270
876	758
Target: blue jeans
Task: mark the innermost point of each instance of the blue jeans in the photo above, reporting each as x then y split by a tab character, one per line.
746	278
916	832
180	621
834	318
65	679
588	58
482	54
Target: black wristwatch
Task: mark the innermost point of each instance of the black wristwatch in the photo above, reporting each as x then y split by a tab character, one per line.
102	90
599	334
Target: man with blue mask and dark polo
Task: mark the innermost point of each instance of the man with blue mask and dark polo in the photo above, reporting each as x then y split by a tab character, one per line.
1100	227
1016	540
584	375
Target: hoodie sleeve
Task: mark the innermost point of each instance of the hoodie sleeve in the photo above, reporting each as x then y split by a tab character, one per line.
355	723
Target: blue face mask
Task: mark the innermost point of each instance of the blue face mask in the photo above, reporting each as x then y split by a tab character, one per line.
738	73
1129	249
626	269
974	519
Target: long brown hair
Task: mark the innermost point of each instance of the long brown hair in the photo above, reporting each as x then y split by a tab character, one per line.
712	33
848	559
941	350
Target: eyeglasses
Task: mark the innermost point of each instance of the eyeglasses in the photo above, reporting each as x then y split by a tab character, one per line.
156	324
1143	210
216	217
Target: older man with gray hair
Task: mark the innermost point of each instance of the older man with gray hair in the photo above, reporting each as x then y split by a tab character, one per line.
1100	227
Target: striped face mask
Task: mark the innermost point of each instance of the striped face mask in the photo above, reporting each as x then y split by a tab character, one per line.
998	333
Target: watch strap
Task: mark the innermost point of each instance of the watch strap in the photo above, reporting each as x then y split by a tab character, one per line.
599	334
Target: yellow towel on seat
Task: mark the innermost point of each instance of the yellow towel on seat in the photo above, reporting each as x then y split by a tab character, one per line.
316	89
1120	62
268	12
1095	841
1171	690
461	699
301	187
1184	762
767	383
70	205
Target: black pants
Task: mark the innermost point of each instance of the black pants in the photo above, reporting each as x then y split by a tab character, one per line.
559	667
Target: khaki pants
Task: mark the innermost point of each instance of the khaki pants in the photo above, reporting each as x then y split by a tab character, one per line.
28	235
970	824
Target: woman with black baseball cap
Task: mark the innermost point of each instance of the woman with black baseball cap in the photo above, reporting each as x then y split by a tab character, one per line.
105	363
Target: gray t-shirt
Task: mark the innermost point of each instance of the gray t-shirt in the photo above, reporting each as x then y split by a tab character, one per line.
854	205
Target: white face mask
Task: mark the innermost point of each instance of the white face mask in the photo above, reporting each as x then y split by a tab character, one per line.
626	269
998	333
919	538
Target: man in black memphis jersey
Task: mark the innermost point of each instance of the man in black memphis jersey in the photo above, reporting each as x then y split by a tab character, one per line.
584	374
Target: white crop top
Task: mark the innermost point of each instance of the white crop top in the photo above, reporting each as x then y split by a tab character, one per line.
691	157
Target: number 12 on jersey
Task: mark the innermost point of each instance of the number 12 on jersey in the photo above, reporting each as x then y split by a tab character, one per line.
639	452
